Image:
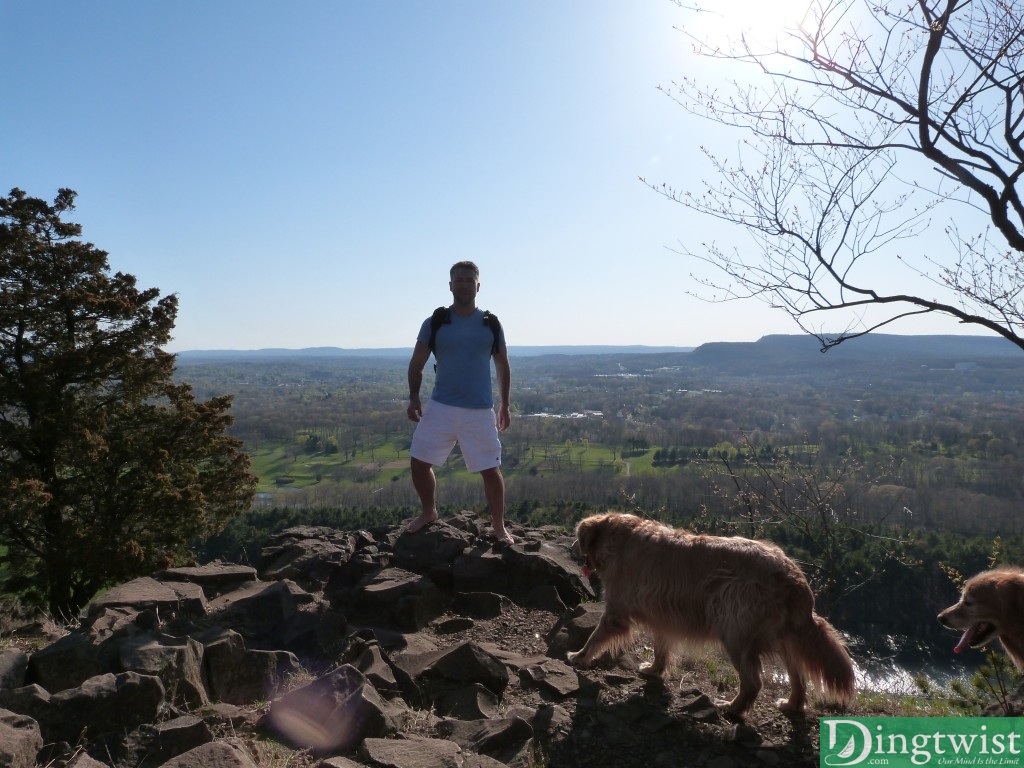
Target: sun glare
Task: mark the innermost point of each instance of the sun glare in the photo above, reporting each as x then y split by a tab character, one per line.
761	23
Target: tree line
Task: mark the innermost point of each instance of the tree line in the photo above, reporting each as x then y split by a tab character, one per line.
948	444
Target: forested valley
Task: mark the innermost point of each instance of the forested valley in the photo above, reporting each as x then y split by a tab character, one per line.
875	465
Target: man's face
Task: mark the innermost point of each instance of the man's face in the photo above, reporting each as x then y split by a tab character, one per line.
464	285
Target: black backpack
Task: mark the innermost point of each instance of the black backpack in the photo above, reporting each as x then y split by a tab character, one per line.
443	316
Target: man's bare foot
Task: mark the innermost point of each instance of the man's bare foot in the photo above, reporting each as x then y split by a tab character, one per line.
421	522
501	536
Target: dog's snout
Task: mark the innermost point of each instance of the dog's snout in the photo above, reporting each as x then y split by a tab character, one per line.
952	617
575	550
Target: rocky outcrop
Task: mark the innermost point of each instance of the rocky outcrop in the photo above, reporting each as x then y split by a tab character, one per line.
372	648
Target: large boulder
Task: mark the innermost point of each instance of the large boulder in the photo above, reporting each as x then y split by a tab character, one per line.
331	714
169	597
102	705
398	598
238	675
177	661
229	753
66	663
13	668
20	740
307	555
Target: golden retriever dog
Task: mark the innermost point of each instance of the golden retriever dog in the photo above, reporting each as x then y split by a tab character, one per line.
686	589
991	605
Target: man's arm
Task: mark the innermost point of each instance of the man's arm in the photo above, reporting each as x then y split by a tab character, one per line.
504	374
420	355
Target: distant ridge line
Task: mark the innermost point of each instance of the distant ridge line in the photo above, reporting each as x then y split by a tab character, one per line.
772	346
520	351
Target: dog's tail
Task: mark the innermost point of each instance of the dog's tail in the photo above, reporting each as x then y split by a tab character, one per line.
820	652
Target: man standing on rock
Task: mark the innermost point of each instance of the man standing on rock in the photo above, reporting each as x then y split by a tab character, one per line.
460	410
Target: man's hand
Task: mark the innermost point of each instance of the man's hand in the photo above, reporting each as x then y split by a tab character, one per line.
415	410
420	355
504	418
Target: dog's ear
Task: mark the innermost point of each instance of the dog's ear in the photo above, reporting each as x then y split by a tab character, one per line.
1012	592
583	531
589	534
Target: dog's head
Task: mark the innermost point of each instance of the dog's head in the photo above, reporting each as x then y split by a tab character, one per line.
988	603
594	538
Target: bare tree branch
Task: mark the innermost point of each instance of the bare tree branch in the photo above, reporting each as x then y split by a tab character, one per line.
858	132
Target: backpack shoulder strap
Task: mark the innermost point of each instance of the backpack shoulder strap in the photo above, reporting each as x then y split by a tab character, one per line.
491	320
441	316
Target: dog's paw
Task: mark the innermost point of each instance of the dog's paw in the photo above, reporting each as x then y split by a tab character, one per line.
733	715
723	705
574	657
648	669
730	709
789	707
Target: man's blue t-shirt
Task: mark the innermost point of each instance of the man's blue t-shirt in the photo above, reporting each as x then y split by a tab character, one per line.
462	349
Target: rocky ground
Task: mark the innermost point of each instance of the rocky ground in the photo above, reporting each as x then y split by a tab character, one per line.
622	719
604	717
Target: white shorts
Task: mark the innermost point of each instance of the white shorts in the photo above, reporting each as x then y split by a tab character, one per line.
442	426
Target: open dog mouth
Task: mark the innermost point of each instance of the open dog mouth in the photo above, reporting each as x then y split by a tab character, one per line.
578	554
587	570
976	636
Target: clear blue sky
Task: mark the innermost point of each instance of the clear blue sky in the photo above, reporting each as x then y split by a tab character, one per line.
303	174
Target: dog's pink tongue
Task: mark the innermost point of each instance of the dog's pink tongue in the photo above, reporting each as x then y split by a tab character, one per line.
585	571
964	642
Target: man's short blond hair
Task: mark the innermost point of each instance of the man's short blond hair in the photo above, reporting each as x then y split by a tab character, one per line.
459	265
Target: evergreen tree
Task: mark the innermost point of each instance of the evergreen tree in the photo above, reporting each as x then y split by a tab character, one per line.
109	468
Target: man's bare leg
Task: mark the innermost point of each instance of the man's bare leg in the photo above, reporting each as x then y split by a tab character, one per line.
494	491
425	483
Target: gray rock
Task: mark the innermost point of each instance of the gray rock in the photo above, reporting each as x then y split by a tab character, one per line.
545	719
471	702
338	762
480	605
547	566
13	668
121	620
502	739
66	663
400	598
147	592
309	556
331	714
262	611
103	704
236	675
20	740
412	753
84	760
178	662
152	745
554	676
466	663
31	700
229	753
376	669
435	544
213	578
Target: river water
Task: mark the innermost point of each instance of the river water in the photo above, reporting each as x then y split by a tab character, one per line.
894	663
